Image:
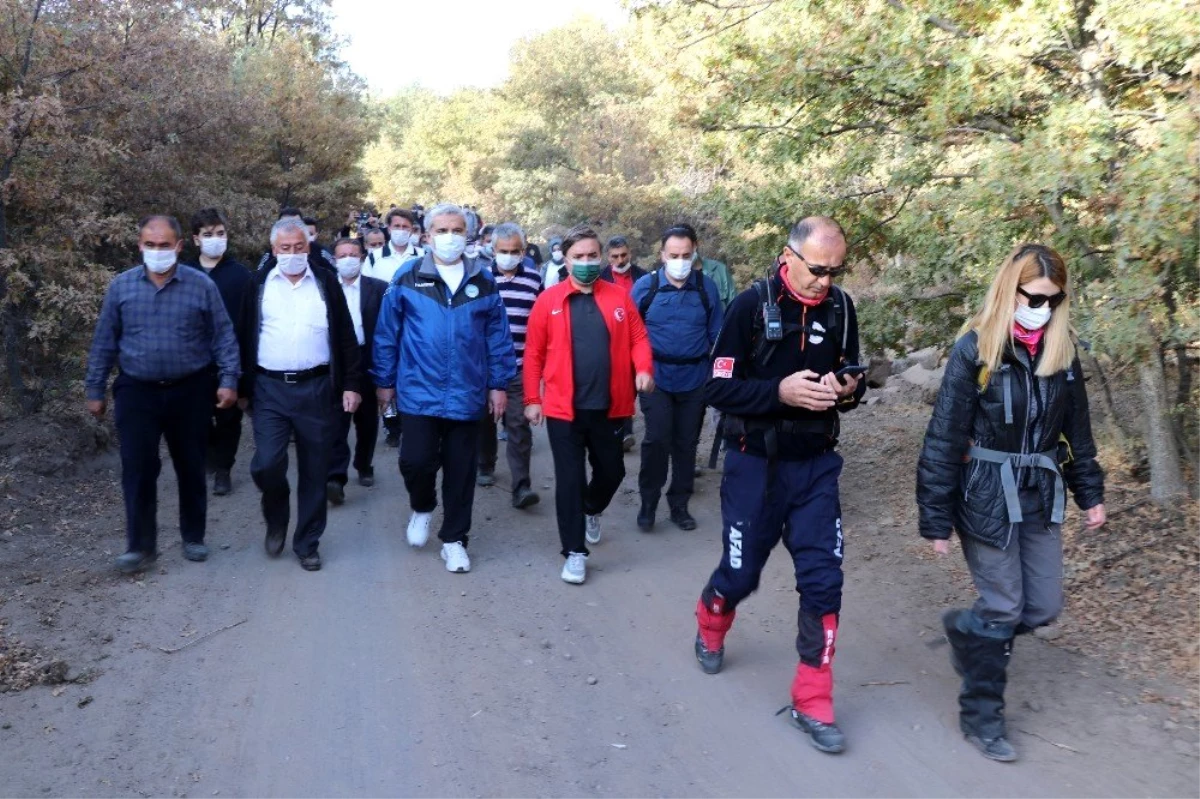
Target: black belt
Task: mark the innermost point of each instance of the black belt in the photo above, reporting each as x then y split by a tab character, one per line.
171	382
292	378
678	361
740	426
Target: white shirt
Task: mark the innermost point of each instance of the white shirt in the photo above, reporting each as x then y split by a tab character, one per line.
295	328
385	268
353	292
551	274
452	274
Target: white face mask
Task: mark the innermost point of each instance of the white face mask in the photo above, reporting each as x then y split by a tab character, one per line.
1032	318
557	257
158	261
620	270
449	246
472	251
678	268
292	263
401	238
375	251
213	246
349	267
508	263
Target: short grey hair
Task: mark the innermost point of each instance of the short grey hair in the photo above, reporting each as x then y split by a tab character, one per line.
810	225
287	225
444	209
506	230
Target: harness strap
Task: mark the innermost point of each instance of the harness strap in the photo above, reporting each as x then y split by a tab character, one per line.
1009	462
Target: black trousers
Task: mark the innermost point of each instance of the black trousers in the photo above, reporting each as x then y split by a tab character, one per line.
366	433
224	434
146	413
673	421
431	443
595	438
306	410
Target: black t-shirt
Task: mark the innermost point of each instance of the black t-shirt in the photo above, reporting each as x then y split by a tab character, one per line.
589	354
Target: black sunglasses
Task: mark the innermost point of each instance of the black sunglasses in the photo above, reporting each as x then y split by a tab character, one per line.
1038	300
821	271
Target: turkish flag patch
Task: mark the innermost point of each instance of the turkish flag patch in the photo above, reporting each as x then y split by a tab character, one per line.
723	367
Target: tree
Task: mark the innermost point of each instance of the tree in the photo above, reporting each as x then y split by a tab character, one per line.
945	132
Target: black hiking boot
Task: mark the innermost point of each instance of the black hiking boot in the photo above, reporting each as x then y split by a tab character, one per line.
825	737
982	661
710	662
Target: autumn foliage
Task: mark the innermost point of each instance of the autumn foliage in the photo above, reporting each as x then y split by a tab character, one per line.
112	110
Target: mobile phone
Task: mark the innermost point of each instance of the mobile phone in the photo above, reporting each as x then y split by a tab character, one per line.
848	371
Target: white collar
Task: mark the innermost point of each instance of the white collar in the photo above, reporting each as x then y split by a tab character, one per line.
353	284
277	273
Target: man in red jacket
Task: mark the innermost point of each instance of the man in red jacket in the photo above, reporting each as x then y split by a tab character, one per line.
586	340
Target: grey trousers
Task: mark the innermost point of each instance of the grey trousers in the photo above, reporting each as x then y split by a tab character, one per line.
520	438
306	409
1022	584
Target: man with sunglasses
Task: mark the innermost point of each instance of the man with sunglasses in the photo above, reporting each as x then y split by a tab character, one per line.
775	378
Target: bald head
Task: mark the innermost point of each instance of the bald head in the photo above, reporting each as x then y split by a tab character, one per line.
822	229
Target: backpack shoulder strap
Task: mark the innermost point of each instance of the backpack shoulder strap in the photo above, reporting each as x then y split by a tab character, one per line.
644	305
704	298
840	319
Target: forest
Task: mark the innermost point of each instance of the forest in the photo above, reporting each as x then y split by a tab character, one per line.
939	133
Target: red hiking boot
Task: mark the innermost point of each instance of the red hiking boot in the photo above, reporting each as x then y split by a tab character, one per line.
812	694
714	623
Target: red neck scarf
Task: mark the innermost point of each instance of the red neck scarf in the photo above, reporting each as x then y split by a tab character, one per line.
805	301
1032	339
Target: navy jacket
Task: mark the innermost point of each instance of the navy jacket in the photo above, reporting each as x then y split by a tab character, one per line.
443	351
681	331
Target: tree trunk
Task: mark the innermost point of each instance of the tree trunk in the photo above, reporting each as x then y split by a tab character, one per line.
1166	477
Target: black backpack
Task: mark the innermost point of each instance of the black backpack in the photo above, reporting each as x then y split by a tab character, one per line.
763	349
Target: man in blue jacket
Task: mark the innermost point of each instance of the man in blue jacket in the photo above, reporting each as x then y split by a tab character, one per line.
443	340
682	311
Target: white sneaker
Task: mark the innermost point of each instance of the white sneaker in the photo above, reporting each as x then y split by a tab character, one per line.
418	529
455	555
592	530
575	569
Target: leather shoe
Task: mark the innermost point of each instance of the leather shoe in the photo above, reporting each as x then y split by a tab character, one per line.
682	519
645	517
276	537
524	497
311	563
366	479
133	562
195	551
392	440
335	493
485	479
222	484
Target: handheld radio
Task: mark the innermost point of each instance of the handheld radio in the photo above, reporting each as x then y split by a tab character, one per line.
772	317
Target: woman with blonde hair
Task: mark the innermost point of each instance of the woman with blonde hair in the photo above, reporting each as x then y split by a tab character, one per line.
1009	429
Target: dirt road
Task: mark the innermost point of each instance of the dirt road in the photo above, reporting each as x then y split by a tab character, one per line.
385	675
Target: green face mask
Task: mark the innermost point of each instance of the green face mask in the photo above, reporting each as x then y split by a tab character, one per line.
585	272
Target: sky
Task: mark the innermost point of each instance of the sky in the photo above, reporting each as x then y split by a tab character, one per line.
396	43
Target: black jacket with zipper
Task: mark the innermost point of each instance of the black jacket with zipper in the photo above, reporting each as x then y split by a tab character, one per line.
957	492
345	358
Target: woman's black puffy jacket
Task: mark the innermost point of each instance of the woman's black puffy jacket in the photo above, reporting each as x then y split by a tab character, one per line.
956	492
